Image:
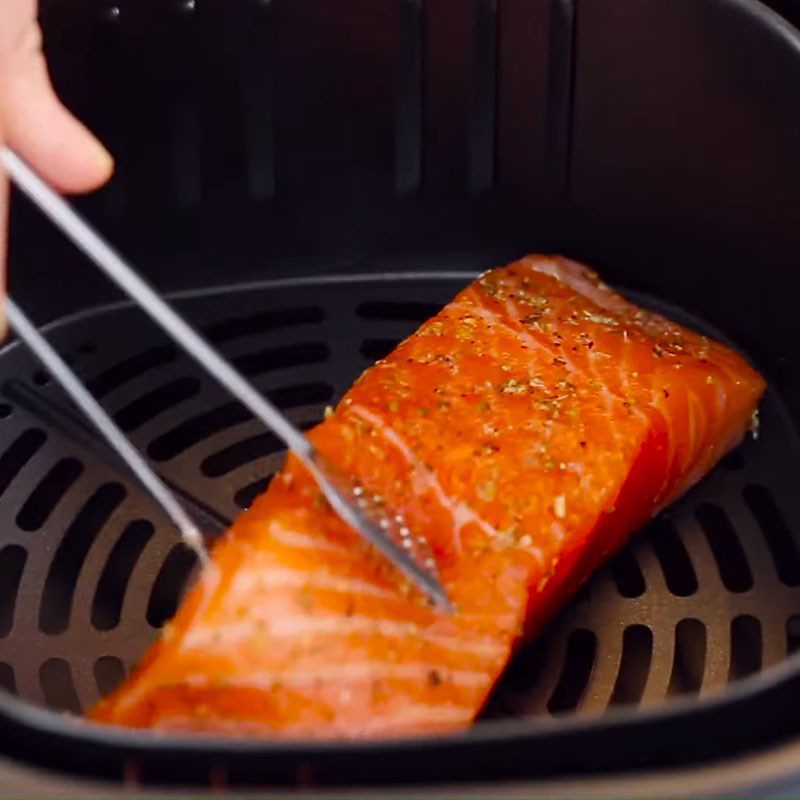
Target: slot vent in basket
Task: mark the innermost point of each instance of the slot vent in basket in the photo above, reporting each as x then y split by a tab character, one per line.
197	429
245	496
125	371
17	455
244	452
689	661
58	687
156	401
578	663
47	494
731	560
80	535
169	585
627	575
116	575
777	534
746	647
12	563
674	560
109	672
637	653
263	322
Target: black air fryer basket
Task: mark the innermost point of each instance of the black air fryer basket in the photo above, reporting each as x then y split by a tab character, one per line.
309	180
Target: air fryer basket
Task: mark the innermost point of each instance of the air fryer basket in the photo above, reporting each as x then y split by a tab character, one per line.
311	180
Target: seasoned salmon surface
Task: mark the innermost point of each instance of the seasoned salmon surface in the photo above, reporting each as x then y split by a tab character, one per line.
526	432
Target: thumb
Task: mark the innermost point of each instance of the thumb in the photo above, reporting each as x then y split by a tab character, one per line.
35	123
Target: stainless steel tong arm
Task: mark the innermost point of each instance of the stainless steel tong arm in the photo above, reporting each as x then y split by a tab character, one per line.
388	533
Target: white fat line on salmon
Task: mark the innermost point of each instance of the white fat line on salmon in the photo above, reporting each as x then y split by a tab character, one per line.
501	623
697	460
626	371
729	379
514	313
531	341
273	577
707	458
558	531
289	627
700	428
302	541
363	671
573	274
608	395
425	480
690	454
669	411
518	331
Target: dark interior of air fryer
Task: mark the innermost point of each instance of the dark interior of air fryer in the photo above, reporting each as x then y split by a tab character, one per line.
310	180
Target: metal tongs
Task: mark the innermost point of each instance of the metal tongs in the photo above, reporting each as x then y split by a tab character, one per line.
387	533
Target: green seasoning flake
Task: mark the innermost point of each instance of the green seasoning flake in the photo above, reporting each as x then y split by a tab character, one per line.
511	532
486	491
600	319
483	405
435	329
513	386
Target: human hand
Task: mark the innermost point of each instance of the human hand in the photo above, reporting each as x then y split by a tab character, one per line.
35	123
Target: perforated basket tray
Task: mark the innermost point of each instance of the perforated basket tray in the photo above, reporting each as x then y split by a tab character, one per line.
709	594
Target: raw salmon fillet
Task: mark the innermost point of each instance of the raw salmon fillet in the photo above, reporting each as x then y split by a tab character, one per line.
526	431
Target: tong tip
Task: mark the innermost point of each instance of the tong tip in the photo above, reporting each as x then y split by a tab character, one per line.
388	534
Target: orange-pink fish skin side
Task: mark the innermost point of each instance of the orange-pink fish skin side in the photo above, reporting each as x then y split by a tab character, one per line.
526	432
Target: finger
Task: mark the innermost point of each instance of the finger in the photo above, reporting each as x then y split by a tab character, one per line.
43	132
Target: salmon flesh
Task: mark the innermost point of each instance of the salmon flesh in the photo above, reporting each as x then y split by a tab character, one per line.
526	432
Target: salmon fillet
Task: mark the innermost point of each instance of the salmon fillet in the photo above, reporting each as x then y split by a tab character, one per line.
526	432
